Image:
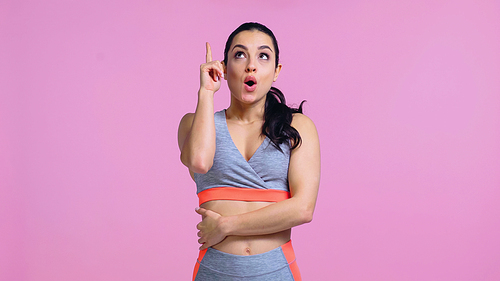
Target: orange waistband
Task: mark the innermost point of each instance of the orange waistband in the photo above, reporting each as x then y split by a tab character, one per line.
243	194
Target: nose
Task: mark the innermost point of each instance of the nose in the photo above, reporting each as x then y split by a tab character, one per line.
251	66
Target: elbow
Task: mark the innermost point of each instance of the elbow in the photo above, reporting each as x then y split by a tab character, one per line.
304	210
306	215
199	165
201	168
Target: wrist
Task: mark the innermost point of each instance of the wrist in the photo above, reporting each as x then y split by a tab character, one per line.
205	92
227	225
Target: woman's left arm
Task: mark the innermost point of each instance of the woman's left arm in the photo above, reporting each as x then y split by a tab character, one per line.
303	178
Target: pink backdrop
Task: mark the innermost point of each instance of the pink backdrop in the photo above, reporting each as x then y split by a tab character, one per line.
405	95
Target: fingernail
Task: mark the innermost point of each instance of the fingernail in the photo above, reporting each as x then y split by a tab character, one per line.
197	208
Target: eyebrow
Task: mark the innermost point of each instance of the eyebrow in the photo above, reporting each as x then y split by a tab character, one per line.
246	49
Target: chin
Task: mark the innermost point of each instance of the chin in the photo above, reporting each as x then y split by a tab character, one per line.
247	99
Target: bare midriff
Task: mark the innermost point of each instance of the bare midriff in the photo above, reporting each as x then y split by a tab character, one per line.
245	245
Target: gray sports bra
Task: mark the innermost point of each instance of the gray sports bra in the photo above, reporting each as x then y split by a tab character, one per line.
266	170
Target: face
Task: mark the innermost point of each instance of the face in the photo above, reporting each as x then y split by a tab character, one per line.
251	69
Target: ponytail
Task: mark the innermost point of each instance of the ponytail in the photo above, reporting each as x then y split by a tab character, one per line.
278	119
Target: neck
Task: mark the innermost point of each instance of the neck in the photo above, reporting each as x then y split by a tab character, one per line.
246	113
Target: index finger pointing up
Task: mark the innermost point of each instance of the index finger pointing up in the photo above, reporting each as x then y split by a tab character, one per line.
209	53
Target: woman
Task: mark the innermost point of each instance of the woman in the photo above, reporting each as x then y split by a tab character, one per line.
256	164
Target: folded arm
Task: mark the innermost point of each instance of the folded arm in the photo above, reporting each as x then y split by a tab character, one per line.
303	177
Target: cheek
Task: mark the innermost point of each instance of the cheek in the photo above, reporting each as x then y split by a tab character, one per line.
268	76
234	65
232	71
232	78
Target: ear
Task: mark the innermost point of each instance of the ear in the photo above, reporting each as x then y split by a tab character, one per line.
277	72
224	69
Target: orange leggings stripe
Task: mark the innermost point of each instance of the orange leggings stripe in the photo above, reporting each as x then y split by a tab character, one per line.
243	194
290	258
197	265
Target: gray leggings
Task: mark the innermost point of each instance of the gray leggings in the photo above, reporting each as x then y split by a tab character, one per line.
278	264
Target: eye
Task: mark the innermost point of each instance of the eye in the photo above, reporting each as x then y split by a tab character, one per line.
264	56
239	55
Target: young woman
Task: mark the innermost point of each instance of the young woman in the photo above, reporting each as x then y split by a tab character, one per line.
256	164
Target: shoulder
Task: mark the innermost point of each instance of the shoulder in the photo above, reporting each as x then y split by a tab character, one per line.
186	122
187	119
307	131
302	123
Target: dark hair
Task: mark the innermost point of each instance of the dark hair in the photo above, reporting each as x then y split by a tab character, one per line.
277	115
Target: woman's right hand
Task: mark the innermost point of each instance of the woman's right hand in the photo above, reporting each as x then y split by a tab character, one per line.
211	73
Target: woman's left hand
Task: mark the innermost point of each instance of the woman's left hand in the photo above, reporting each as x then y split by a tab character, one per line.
210	231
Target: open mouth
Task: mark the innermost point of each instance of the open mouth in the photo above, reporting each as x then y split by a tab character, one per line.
250	81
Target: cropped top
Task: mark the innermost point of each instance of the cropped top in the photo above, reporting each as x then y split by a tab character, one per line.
262	178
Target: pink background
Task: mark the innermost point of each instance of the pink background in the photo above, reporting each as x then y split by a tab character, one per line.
405	95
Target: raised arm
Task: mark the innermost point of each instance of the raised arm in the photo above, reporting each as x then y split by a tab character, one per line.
196	135
303	177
